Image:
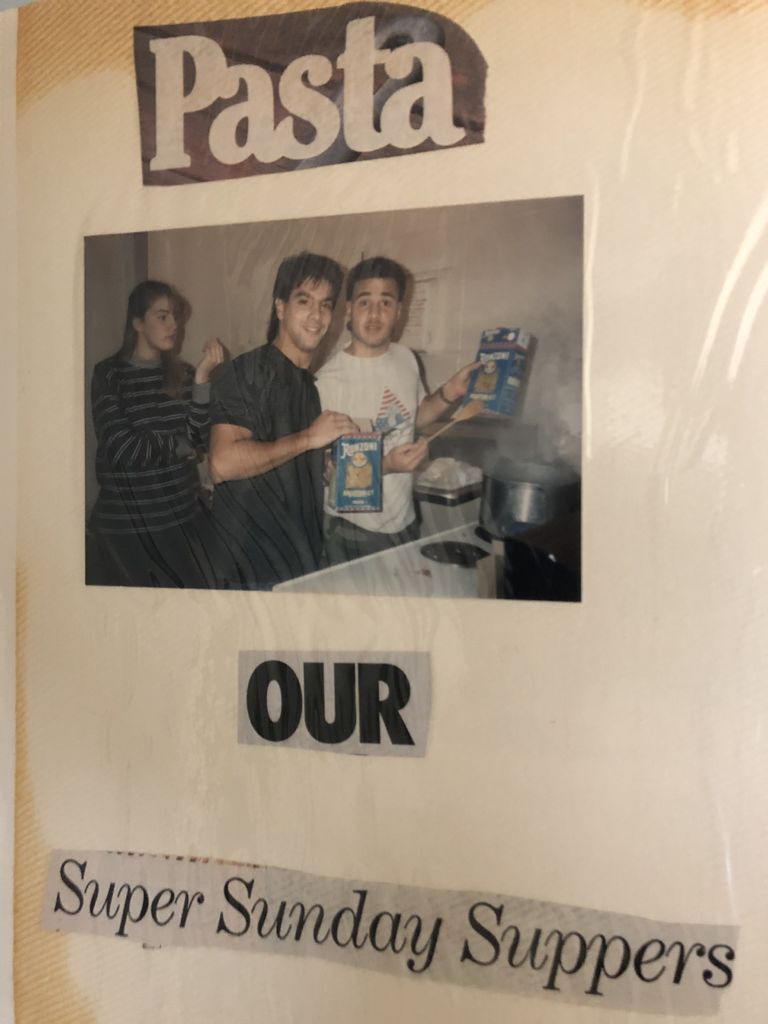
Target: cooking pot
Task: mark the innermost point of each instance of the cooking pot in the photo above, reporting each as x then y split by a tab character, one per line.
526	492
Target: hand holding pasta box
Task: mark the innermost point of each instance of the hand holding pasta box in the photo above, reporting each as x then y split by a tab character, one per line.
499	382
356	469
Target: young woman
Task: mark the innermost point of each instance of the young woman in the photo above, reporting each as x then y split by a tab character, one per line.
150	411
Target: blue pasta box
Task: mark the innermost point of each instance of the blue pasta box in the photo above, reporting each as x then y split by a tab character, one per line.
356	473
499	381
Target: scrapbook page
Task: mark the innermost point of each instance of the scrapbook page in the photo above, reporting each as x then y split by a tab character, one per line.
389	564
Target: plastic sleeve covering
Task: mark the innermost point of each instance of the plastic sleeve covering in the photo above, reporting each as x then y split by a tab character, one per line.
495	751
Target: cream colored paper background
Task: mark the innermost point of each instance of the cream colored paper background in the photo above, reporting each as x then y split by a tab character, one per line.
609	755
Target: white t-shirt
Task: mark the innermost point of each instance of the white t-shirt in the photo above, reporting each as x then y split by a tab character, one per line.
387	390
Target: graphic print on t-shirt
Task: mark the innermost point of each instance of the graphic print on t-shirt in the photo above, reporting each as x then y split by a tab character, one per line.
392	413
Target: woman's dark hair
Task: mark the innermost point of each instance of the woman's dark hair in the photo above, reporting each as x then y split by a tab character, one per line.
295	270
141	299
380	267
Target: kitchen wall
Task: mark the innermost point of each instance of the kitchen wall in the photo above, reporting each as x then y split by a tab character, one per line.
511	264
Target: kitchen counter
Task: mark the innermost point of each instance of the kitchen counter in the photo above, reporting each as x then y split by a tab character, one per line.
401	572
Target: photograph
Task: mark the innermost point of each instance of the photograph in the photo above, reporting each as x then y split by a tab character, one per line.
385	403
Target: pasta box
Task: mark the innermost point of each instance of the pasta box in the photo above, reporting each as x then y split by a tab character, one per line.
356	473
498	382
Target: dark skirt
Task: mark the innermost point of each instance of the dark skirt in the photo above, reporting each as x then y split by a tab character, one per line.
189	556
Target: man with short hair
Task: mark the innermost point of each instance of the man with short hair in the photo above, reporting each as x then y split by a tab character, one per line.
268	434
375	379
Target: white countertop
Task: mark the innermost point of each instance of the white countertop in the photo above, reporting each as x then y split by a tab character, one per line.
400	572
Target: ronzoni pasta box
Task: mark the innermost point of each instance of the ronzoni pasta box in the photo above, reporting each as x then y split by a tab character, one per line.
355	479
504	356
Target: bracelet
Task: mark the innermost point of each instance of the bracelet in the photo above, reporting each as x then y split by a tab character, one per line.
441	393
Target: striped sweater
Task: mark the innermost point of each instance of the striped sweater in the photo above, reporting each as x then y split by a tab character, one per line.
145	461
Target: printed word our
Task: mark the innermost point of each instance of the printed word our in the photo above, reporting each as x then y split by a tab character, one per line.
356	690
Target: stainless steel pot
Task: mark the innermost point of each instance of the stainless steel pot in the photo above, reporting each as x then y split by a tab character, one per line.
526	492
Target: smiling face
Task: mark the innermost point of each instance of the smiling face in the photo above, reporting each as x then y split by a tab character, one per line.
304	320
156	331
372	313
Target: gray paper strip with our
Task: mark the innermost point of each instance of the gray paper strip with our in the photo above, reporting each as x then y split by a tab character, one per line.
528	947
372	704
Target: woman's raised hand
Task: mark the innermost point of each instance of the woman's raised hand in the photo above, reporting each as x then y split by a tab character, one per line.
213	356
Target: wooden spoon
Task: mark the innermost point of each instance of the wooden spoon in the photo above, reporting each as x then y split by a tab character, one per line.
466	412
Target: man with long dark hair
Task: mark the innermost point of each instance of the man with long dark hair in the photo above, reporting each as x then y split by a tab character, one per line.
268	433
